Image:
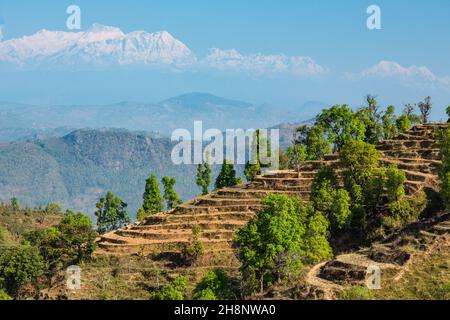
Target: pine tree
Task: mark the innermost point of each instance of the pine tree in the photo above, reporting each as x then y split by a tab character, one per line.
227	176
153	201
204	176
172	198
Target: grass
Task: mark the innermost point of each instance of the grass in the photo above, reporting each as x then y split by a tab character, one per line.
427	279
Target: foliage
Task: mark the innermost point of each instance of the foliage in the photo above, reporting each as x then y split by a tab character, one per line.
329	199
371	117
152	199
176	290
53	208
195	249
227	176
403	123
341	123
259	149
283	226
448	111
4	296
19	265
111	213
172	198
214	286
204	176
389	121
312	143
70	242
296	154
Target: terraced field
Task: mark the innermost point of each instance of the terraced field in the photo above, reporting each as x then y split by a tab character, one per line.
221	213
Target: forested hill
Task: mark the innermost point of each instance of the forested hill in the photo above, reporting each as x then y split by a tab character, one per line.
77	168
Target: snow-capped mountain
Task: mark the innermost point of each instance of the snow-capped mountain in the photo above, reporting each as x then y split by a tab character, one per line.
98	46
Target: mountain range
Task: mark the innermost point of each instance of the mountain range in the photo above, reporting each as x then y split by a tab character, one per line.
29	122
99	46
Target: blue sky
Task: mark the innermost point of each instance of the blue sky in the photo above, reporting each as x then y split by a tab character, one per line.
332	33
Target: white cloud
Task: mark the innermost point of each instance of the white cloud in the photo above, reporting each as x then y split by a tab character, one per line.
408	76
259	64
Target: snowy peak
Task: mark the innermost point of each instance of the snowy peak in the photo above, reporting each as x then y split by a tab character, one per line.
98	46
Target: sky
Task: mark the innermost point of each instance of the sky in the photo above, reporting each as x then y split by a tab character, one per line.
414	39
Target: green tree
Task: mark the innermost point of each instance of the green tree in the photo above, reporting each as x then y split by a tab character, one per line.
18	266
176	290
153	201
257	152
341	123
371	117
70	242
296	156
448	112
53	208
314	140
172	198
414	119
316	238
403	123
227	176
329	199
214	286
111	213
204	176
389	121
15	204
194	249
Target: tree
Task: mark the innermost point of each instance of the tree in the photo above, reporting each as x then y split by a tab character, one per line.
15	204
403	123
330	200
278	228
176	290
448	113
340	123
70	242
425	109
153	201
314	140
371	117
215	285
172	198
111	213
296	156
409	112
53	208
194	249
227	176
257	152
18	266
204	176
389	121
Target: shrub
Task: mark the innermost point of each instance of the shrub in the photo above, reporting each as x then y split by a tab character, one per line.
175	290
214	286
195	249
18	266
4	296
357	293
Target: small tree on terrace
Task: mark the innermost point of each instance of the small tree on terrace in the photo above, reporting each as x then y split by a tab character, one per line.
111	213
227	176
171	197
204	176
425	109
153	201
